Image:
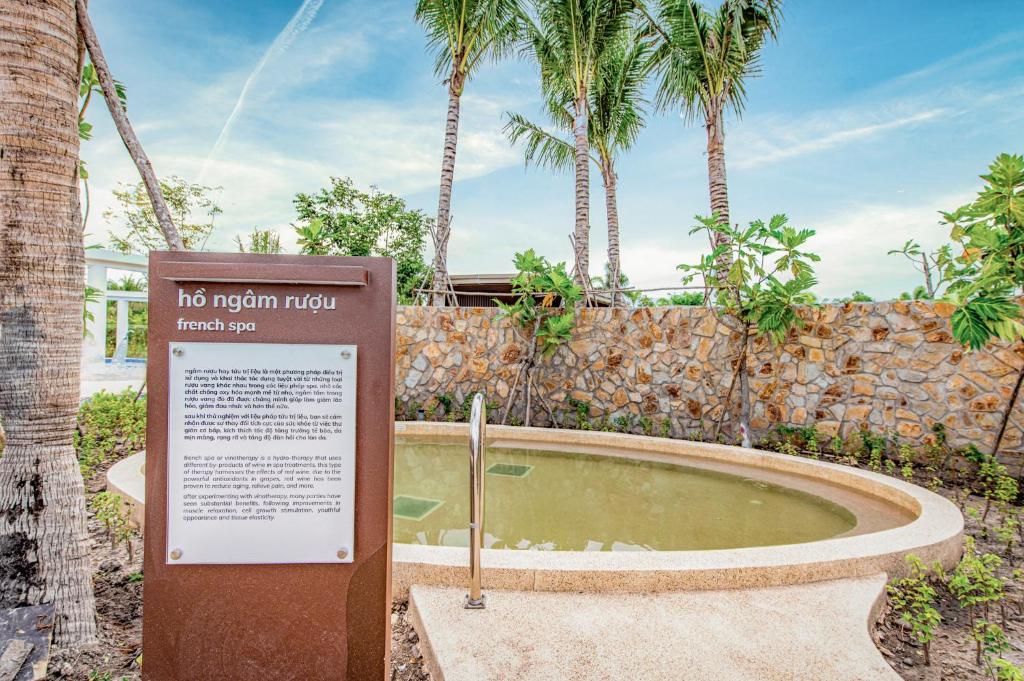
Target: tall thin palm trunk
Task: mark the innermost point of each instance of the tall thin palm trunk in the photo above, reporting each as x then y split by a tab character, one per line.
582	231
611	202
124	128
444	200
718	187
43	540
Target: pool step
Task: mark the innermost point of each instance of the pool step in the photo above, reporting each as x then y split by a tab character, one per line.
804	632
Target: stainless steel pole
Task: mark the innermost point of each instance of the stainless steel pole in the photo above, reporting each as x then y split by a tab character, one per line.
477	431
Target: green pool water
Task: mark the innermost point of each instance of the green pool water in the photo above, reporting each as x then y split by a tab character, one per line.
558	501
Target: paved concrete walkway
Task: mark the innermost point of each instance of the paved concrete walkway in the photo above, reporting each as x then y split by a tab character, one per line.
97	377
807	632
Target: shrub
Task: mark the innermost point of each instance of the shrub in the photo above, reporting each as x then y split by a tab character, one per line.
110	426
914	597
109	509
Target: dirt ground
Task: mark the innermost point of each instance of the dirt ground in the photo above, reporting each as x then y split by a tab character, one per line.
118	585
953	652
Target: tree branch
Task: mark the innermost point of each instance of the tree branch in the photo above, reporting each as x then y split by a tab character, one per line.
124	128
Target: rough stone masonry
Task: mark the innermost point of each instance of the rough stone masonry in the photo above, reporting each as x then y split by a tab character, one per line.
890	366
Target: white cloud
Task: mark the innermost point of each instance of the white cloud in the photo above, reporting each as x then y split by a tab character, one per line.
299	22
817	133
853	243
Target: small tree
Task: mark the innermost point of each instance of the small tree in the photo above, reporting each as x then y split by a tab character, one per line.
192	209
930	264
988	276
914	597
343	220
259	241
542	316
751	293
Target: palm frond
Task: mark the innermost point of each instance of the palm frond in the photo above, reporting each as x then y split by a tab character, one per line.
461	33
541	148
704	58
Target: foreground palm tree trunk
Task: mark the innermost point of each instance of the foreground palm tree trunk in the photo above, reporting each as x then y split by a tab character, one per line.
611	202
581	236
718	187
444	200
124	128
43	549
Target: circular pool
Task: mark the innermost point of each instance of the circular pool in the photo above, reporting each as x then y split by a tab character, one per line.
557	500
587	511
613	512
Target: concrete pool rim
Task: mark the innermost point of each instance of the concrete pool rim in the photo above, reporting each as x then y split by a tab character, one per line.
935	534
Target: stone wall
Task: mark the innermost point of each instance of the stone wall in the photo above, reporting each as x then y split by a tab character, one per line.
891	366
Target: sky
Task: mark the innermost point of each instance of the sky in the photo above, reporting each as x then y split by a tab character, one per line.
867	119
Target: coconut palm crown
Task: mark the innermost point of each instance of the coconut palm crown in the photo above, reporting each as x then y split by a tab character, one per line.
570	39
616	109
462	34
704	58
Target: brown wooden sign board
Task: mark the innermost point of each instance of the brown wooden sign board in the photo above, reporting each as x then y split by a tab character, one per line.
296	604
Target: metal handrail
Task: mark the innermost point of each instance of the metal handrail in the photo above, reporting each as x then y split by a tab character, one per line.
477	433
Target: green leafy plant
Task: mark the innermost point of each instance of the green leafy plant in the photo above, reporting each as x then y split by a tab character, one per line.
581	412
769	276
646	424
542	316
110	510
932	265
1007	530
974	583
343	220
89	85
95	675
110	426
914	598
445	401
995	485
92	295
991	642
1005	670
193	211
988	275
259	241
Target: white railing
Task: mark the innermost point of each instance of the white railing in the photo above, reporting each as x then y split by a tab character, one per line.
98	263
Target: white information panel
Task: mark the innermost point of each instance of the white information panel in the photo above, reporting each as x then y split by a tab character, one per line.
261	453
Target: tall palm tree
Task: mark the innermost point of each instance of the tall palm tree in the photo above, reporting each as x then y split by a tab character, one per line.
44	553
704	59
569	40
462	33
615	118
